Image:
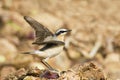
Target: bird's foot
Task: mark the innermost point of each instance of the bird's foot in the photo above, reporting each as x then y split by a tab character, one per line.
53	70
50	74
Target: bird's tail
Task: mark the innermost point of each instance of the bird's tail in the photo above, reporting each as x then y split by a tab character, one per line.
26	53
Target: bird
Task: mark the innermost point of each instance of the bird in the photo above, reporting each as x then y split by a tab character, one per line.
53	43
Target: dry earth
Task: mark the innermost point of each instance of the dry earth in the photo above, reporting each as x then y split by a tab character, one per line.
95	37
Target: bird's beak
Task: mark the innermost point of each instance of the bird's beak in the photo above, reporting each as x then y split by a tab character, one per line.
69	30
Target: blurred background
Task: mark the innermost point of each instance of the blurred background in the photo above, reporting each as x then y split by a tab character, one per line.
95	35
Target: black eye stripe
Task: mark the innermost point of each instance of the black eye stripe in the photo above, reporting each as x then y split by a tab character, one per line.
63	31
59	32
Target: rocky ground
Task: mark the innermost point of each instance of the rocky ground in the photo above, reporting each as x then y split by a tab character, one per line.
92	50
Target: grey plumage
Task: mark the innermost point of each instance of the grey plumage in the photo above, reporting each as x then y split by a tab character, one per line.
41	32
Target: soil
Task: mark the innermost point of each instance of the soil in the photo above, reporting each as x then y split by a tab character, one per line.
92	49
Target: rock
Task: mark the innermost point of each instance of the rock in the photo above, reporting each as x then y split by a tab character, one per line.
31	78
113	57
88	71
37	64
18	75
2	59
5	71
7	49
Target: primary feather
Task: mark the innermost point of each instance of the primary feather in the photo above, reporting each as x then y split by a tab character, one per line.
41	32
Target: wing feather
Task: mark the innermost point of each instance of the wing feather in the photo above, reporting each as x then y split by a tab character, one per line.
51	44
41	32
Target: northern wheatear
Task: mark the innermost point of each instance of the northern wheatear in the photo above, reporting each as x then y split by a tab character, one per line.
53	43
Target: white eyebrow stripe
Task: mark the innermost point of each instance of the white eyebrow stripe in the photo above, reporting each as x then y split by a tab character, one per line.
58	31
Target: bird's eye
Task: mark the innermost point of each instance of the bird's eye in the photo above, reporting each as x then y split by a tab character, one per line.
62	31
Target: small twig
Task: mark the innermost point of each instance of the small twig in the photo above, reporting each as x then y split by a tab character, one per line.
97	46
92	53
109	47
94	50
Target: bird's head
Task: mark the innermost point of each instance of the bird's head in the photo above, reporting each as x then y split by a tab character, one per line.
60	33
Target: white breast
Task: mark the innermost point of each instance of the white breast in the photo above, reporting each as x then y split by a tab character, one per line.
48	53
54	51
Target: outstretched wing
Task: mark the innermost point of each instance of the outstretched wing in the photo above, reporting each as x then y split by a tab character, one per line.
42	33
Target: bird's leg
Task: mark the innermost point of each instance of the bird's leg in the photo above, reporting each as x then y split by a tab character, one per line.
47	65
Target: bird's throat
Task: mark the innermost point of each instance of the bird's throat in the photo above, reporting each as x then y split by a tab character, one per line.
60	38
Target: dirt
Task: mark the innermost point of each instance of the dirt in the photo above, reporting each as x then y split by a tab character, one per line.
88	71
92	50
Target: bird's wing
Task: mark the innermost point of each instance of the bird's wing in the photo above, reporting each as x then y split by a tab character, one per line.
42	33
54	42
51	44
